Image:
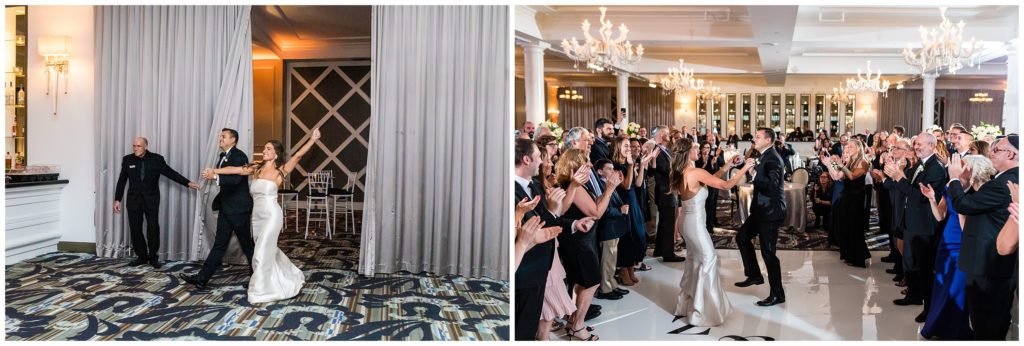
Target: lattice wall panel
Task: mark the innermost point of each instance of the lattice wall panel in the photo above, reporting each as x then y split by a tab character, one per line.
334	96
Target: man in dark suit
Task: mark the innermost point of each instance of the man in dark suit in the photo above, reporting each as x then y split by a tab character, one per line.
897	200
603	133
837	149
143	169
921	230
235	206
664	243
991	278
532	273
767	210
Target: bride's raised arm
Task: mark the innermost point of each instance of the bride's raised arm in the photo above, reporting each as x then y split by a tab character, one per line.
713	181
290	165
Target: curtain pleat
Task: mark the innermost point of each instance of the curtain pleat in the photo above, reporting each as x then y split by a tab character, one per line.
436	196
648	107
904	108
176	75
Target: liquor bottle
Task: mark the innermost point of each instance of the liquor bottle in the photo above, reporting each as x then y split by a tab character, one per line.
9	93
21	94
14	128
7	161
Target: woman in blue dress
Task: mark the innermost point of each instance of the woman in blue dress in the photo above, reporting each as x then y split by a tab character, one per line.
947	319
632	246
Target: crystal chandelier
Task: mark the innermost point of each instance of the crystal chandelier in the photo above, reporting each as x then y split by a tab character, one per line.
711	92
681	79
598	53
868	83
943	50
840	94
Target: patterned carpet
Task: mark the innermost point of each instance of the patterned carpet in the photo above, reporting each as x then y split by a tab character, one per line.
75	296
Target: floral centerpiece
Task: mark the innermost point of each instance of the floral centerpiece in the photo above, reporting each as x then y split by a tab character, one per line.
554	128
632	130
986	132
933	128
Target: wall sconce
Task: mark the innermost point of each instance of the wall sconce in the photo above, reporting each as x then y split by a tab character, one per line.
55	50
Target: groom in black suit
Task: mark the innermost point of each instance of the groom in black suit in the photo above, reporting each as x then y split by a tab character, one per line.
767	210
235	205
991	278
143	170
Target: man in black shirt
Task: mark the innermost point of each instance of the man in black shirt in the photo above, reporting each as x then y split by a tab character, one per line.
143	169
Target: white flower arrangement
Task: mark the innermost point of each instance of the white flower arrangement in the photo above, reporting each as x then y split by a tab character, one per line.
632	130
986	132
555	130
933	128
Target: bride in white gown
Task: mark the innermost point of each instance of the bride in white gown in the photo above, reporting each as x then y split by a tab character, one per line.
274	277
702	300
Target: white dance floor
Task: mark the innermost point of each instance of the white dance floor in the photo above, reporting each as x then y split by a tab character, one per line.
825	300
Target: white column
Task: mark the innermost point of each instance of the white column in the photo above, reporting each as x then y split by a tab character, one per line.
622	94
928	101
1011	120
533	64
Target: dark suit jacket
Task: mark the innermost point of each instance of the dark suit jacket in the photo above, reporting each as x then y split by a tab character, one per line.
986	213
532	270
600	150
837	149
662	197
233	197
899	202
768	202
920	227
613	224
144	193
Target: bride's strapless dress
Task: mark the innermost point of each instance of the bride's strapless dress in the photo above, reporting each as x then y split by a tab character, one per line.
702	299
274	277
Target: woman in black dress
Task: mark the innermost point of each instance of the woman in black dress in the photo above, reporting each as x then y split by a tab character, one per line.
853	220
578	250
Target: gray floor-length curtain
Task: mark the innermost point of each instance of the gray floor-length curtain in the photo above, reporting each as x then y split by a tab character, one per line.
648	107
437	197
176	75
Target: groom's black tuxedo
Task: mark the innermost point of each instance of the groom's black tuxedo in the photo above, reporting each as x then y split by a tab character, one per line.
235	206
767	210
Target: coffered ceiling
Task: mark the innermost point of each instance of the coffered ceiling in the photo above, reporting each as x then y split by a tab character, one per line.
771	43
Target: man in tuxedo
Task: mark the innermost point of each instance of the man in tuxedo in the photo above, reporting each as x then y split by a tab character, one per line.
991	278
767	210
603	133
664	243
960	141
532	273
921	230
143	169
235	209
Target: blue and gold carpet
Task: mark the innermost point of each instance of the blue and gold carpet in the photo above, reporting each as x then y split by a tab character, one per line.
76	296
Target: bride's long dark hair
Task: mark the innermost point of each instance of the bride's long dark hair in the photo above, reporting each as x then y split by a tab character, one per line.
680	160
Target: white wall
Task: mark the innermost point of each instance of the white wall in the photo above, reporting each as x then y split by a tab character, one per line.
67	138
